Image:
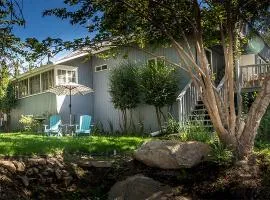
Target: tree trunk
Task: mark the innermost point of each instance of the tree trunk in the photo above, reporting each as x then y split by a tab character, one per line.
158	118
255	114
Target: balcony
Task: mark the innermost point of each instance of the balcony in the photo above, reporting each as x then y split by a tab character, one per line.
252	76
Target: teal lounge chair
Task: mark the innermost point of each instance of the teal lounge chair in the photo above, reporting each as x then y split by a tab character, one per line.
84	128
55	126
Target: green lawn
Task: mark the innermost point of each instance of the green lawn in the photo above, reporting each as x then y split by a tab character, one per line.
32	144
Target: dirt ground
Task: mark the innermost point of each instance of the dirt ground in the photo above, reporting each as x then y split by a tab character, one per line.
61	178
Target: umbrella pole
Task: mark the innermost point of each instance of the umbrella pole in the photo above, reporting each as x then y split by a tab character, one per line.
70	107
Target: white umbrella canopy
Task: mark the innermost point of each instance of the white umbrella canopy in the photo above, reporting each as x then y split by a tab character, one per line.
70	89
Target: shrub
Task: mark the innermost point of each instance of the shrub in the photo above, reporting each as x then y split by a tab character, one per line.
159	84
28	123
125	90
172	125
219	153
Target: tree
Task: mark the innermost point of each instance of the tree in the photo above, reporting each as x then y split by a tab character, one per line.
7	93
160	86
185	25
125	90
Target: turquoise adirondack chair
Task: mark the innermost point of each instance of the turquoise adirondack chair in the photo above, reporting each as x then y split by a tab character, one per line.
54	127
84	128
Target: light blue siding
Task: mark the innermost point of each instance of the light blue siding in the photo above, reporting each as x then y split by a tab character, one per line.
81	105
41	104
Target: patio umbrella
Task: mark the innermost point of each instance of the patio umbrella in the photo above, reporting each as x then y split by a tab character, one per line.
70	89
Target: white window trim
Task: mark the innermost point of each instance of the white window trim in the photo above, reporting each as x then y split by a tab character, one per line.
101	68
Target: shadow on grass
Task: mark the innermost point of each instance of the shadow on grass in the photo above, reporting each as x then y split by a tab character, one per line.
32	144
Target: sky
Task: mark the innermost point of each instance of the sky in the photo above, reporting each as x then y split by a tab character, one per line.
43	27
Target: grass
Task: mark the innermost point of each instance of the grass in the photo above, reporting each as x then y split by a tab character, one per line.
21	144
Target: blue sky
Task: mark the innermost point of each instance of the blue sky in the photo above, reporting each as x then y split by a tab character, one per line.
43	27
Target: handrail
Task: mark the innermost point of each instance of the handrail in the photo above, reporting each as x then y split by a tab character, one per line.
221	84
188	99
183	92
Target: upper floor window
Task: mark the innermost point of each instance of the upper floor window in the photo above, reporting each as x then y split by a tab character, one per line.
66	76
47	80
43	81
101	68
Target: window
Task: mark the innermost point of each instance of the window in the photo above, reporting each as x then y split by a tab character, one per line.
71	76
66	76
34	83
101	68
23	88
61	76
47	80
156	60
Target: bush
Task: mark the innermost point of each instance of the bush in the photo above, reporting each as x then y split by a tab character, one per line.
196	132
28	123
159	83
172	125
219	153
125	90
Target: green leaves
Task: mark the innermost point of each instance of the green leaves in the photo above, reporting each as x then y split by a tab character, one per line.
159	84
124	86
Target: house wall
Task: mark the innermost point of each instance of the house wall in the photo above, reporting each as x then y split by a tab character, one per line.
81	105
248	59
104	111
41	104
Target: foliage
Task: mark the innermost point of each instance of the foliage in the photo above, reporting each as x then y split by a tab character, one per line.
182	25
7	93
125	89
196	132
159	84
28	123
264	128
220	153
124	86
32	144
172	125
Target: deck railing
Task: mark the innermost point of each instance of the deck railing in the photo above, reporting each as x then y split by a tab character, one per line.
252	76
187	100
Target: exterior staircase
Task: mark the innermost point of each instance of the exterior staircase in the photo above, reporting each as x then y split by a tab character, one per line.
199	116
192	111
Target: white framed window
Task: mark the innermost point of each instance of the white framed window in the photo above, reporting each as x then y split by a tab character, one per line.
66	76
156	60
101	68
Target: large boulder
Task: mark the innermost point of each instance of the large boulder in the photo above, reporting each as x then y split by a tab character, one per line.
170	154
137	187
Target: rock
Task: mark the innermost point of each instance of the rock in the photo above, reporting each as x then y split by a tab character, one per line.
136	187
58	174
49	180
20	166
37	161
8	165
25	180
65	173
35	170
29	172
45	173
67	180
169	154
96	163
